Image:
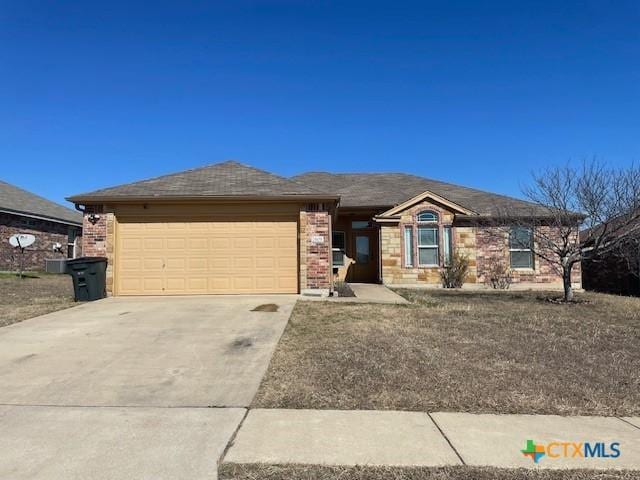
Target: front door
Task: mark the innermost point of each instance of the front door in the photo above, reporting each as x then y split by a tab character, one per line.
365	254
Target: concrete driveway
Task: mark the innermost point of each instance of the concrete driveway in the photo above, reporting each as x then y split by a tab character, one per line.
143	351
84	392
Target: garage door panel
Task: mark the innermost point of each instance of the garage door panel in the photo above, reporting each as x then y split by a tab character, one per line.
287	263
287	243
242	243
198	264
220	244
288	283
153	285
265	242
131	265
220	285
151	264
213	256
242	283
198	244
265	262
197	285
172	264
176	284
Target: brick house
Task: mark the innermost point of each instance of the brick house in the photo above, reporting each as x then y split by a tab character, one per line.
617	270
231	228
58	230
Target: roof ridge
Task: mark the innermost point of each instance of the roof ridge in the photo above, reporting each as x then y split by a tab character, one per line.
351	173
230	176
441	182
158	177
288	179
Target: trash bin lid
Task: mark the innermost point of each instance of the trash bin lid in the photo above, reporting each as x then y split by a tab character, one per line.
86	260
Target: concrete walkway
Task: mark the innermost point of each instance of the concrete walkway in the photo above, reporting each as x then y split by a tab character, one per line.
375	293
391	438
364	293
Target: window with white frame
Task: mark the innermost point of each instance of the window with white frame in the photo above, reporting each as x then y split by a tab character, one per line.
520	247
447	245
428	254
338	248
408	246
427	216
72	242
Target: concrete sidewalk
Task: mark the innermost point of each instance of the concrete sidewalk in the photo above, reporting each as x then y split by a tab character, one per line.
107	443
391	438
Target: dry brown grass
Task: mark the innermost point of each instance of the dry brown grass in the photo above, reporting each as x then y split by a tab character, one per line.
500	352
32	296
229	471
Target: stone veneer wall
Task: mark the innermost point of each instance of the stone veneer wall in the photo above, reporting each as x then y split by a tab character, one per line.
47	234
315	248
484	246
392	248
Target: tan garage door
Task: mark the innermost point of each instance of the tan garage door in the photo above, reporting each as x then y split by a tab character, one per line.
167	257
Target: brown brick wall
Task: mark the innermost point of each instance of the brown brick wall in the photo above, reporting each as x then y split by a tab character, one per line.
47	233
315	248
492	245
94	240
98	239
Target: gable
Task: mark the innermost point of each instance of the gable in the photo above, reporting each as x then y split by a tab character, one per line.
424	201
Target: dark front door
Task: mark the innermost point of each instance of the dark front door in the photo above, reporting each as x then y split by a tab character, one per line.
365	254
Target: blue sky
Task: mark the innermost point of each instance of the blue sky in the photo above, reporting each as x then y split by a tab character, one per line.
477	93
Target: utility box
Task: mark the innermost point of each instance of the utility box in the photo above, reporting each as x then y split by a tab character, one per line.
55	265
89	278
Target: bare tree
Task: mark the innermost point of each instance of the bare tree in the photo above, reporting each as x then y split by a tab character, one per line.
578	213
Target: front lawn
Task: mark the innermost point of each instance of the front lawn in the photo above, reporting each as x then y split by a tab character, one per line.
33	295
230	471
467	351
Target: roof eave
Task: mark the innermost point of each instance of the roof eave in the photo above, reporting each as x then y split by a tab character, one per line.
499	217
41	217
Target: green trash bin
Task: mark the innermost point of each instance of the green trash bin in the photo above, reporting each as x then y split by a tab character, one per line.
89	278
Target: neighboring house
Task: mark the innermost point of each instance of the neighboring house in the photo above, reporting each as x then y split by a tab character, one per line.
57	229
230	228
616	270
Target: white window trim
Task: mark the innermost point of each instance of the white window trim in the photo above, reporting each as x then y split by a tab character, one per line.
530	250
435	246
435	214
447	244
407	231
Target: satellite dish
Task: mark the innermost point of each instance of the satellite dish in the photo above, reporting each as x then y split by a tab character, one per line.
22	240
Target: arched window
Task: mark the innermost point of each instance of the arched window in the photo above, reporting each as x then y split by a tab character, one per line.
427	216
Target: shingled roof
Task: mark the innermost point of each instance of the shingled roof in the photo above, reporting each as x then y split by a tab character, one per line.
386	190
21	202
226	179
